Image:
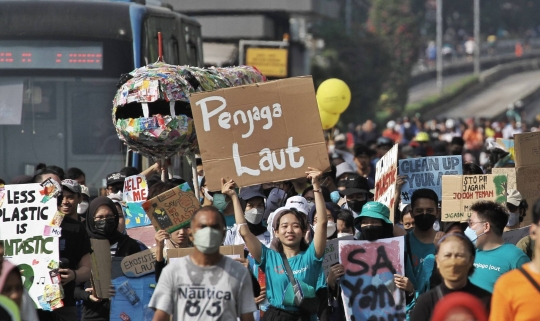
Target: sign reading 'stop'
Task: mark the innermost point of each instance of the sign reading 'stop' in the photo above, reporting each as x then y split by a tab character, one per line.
259	133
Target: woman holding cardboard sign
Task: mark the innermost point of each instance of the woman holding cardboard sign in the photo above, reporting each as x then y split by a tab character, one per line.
292	295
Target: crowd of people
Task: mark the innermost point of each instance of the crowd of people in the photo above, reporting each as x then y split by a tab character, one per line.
452	269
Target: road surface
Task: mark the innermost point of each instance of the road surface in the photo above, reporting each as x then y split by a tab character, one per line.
426	89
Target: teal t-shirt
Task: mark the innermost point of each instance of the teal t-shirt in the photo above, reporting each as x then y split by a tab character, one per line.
419	271
305	266
490	265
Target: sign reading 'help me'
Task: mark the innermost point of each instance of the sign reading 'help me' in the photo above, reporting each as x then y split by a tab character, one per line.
259	133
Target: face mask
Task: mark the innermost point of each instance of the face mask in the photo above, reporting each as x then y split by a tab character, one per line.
207	195
356	206
424	221
310	205
254	215
513	219
343	234
82	207
453	269
409	229
105	227
335	196
208	240
330	228
372	232
219	202
471	234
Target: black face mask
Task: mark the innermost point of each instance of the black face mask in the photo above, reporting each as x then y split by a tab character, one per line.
356	206
372	232
424	221
409	229
105	227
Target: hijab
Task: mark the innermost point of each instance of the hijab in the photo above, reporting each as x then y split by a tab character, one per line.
7	268
91	224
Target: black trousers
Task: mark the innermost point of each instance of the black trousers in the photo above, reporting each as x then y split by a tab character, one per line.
275	314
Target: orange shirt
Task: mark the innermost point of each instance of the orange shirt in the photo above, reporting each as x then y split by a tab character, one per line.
515	298
473	139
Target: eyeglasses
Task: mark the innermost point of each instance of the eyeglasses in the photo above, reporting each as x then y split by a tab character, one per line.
471	223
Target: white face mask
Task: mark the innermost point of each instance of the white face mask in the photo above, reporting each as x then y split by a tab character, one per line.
207	195
82	207
513	219
344	234
330	228
208	240
310	205
254	215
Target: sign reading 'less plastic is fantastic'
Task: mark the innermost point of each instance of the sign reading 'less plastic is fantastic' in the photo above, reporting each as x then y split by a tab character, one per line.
259	133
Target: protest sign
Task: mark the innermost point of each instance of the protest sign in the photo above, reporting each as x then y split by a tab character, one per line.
514	236
232	251
140	263
265	132
101	267
331	253
368	288
510	173
25	212
135	189
132	295
527	154
460	192
427	172
507	144
135	215
385	179
171	210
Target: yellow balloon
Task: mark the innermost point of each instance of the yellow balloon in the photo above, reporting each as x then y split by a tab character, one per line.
328	120
333	96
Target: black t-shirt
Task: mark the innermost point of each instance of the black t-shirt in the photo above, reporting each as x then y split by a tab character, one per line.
425	304
74	244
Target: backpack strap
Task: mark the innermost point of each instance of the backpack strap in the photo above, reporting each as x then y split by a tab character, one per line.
408	247
529	277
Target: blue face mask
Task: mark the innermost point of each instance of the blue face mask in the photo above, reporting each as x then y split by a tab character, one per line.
471	234
335	196
220	203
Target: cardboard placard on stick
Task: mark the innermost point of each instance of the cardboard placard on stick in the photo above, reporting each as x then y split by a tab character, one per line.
427	172
385	179
255	133
460	192
510	173
135	189
172	209
101	267
527	155
228	250
140	263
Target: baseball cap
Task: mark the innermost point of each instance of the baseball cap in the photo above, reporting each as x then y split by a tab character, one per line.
343	168
298	202
115	177
361	149
72	185
374	210
250	192
422	137
355	184
272	219
513	197
275	200
85	190
384	141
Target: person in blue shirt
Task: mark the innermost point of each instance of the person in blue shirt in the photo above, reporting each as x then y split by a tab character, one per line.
493	256
419	244
290	228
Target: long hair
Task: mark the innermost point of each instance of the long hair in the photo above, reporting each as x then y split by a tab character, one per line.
302	219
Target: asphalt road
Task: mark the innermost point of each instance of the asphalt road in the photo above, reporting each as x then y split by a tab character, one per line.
429	88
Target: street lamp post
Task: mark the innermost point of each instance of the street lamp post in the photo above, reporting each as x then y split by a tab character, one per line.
439	57
477	37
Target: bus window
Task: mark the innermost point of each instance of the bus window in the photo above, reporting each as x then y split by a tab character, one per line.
168	29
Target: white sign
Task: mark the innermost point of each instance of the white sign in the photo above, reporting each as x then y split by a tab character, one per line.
25	210
135	189
331	253
385	179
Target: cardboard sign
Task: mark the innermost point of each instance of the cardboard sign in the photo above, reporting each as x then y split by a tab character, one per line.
132	295
140	263
385	179
259	133
510	175
527	153
25	210
101	267
135	215
460	192
233	251
427	172
514	236
171	210
135	189
368	288
331	253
